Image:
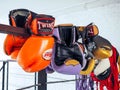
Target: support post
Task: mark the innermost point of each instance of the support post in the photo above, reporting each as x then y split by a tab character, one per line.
42	78
3	76
7	77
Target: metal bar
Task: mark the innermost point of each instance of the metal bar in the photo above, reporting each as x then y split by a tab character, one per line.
7	77
3	76
1	68
42	78
9	60
35	81
76	83
53	82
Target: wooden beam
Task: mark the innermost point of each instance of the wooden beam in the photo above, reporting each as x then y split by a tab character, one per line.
6	29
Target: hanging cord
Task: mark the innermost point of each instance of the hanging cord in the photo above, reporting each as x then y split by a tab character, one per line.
82	83
85	84
39	84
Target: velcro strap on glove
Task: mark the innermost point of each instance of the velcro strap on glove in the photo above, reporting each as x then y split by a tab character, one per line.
42	25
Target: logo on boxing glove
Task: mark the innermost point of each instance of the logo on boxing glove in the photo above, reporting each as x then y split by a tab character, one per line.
47	54
42	25
45	28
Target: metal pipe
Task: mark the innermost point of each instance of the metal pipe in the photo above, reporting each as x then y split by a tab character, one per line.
7	77
3	75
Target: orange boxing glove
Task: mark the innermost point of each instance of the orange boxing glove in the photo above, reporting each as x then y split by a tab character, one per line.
12	45
17	18
36	53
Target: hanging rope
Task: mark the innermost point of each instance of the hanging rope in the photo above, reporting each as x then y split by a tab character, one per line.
84	84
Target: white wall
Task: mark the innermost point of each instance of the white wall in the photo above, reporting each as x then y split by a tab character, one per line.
107	18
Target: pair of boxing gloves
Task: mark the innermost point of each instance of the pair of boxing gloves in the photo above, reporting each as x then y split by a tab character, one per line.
33	52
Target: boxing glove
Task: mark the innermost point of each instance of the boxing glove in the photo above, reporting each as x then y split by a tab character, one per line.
17	18
42	25
68	57
36	53
12	45
109	75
